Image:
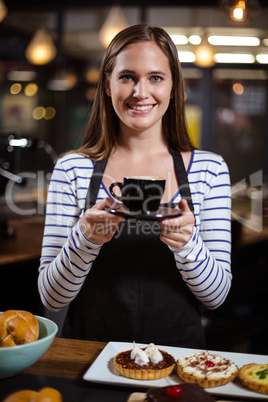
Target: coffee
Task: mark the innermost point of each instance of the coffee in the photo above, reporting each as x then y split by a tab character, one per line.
140	194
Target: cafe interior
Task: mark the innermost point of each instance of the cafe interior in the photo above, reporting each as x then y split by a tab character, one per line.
50	54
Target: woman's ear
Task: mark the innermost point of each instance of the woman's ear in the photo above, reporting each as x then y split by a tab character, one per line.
107	88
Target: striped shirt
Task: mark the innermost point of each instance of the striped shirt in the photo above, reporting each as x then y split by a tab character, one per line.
67	255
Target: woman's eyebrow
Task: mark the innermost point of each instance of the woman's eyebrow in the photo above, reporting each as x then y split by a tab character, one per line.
126	71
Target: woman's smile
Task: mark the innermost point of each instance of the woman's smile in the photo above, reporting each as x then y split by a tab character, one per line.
140	108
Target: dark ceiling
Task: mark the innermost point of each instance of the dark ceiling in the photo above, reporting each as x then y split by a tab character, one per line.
48	5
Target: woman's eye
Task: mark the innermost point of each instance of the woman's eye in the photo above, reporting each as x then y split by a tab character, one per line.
156	78
126	78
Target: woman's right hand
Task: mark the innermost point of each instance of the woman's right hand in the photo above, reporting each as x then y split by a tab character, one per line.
98	225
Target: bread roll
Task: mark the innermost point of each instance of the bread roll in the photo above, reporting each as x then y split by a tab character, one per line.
44	395
21	396
18	327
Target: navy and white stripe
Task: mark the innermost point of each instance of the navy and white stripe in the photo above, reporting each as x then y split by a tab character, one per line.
204	261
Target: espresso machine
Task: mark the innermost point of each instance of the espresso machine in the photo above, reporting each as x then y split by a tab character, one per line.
17	189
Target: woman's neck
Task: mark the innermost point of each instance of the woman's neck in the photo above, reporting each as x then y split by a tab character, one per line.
141	143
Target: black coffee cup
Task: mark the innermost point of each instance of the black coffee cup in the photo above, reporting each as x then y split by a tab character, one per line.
140	194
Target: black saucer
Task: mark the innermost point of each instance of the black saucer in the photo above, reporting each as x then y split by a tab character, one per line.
159	215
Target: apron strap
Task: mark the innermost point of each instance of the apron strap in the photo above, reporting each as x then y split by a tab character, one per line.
95	183
100	166
182	177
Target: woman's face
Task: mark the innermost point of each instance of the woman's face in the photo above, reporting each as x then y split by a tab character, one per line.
140	86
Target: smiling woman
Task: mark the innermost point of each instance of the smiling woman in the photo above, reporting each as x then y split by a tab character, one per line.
126	280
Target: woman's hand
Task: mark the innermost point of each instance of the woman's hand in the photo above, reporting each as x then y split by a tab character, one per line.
98	225
176	232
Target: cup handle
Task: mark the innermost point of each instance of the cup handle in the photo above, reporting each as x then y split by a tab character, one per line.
116	184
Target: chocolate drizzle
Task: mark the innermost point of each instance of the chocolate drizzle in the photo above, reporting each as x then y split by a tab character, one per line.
125	361
199	361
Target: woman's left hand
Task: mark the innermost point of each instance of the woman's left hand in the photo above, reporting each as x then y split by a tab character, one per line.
176	232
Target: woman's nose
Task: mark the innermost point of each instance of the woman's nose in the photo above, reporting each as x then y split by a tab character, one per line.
141	90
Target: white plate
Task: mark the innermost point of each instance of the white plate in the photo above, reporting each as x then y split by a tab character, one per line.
103	371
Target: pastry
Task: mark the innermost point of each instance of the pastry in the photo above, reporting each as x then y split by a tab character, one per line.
18	327
255	377
144	364
44	395
206	369
181	393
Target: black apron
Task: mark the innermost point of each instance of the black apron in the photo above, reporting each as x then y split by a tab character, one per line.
134	291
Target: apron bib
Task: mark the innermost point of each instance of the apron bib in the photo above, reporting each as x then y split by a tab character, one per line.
134	291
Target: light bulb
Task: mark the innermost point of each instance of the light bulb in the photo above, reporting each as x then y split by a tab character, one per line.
238	12
41	49
115	22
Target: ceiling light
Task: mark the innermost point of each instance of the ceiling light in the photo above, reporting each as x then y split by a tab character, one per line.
15	88
239	74
204	54
62	82
21	75
31	89
195	39
234	58
242	11
179	39
38	113
265	41
114	23
238	11
219	40
238	88
50	112
3	10
262	58
41	49
186	57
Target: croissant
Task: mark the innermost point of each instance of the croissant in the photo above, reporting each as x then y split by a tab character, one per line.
18	327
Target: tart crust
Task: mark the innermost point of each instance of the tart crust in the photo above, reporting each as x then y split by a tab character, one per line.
250	376
144	373
206	380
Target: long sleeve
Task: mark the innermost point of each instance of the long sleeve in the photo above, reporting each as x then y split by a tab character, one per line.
205	261
67	255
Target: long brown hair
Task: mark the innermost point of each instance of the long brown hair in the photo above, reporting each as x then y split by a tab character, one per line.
102	127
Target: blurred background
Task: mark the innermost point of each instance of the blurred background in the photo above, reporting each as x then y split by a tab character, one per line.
50	54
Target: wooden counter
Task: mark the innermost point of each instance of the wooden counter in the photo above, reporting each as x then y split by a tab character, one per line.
68	358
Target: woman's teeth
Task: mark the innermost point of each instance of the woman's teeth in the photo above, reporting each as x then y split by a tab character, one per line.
147	107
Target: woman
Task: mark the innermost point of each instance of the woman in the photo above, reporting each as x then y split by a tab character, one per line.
128	281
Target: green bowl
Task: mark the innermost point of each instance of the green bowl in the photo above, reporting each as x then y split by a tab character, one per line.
14	359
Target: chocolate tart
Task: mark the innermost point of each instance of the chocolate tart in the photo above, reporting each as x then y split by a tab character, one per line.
152	371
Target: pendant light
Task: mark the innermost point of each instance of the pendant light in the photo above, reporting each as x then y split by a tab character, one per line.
239	12
41	50
114	23
204	53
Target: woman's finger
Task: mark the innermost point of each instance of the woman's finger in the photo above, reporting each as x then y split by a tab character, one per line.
176	232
